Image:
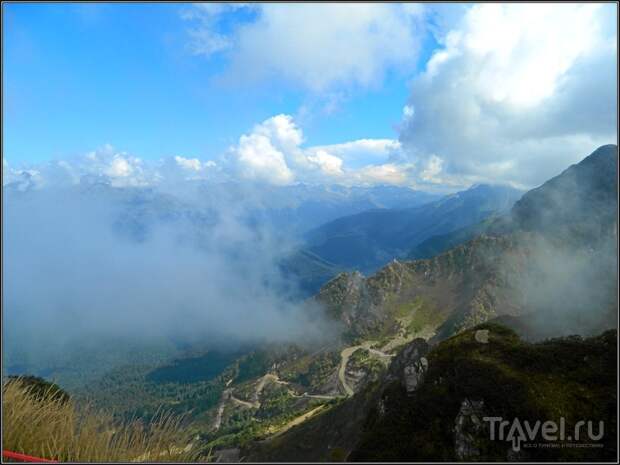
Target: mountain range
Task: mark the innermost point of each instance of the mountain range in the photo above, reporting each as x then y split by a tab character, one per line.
368	240
471	335
483	326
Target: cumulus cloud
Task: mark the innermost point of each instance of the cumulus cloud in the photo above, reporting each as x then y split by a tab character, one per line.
22	179
315	45
258	159
362	152
389	173
110	166
192	164
119	168
273	152
328	164
262	154
514	94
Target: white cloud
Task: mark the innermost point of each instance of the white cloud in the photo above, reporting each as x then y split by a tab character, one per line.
265	153
527	48
431	171
108	165
188	163
119	168
362	152
389	173
408	111
259	159
282	130
329	164
315	45
204	40
22	179
516	93
273	153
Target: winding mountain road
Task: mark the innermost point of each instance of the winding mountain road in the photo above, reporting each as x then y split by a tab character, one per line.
254	402
220	409
344	360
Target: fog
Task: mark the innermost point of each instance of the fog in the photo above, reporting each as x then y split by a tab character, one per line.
571	234
96	263
568	290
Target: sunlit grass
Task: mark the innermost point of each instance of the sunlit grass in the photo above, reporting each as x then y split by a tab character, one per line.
51	427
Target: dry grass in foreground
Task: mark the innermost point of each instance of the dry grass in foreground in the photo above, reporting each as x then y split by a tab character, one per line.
53	427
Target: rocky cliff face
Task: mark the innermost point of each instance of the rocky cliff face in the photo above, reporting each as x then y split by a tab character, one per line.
468	429
464	286
410	365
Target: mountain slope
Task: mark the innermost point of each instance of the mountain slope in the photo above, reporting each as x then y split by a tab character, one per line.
465	380
578	204
295	403
441	242
368	240
547	282
309	270
429	405
541	256
299	208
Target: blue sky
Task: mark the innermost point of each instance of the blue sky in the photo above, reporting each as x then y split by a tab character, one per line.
77	76
307	92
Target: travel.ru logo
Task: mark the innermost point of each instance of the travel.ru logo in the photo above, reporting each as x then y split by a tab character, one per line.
519	432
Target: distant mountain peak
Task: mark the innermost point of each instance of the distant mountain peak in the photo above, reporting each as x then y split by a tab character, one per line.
584	194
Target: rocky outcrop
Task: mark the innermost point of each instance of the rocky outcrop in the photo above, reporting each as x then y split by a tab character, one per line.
489	372
468	285
414	374
359	302
468	429
410	365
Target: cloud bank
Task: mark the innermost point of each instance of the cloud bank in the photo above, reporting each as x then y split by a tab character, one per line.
317	46
83	263
511	94
515	93
272	152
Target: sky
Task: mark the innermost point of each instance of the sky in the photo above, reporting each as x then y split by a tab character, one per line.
430	96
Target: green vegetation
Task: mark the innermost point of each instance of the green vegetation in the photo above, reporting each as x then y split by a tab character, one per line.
254	365
87	360
278	402
362	360
243	428
128	393
311	371
569	377
419	314
194	369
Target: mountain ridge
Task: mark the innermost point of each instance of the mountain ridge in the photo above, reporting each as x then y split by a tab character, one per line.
468	287
367	240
